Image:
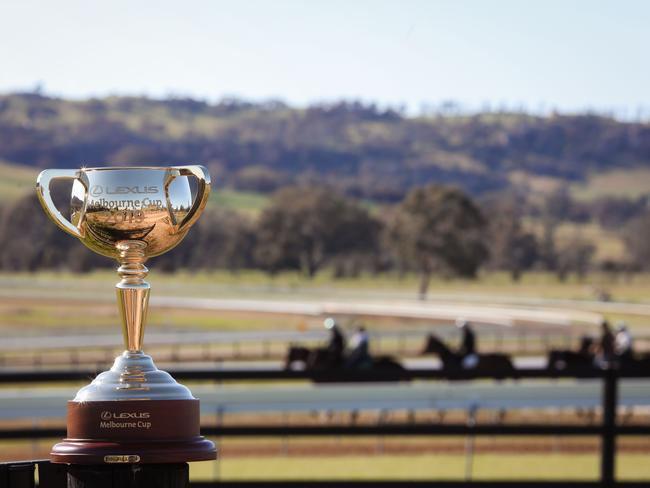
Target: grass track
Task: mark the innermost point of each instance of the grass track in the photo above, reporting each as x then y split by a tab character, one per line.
630	466
49	299
420	467
635	288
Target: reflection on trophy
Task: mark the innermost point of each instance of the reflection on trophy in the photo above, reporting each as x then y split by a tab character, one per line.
130	214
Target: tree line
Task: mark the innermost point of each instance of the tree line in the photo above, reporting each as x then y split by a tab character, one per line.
361	149
434	230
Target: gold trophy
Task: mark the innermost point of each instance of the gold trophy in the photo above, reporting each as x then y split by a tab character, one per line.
133	413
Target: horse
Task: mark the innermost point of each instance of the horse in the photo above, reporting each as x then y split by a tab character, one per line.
454	361
322	359
302	358
634	362
559	359
583	358
297	357
586	358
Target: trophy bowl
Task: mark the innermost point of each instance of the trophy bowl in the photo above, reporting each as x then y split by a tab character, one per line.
125	414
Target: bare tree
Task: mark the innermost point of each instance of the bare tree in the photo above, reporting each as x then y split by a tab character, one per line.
511	248
305	227
439	229
636	235
575	256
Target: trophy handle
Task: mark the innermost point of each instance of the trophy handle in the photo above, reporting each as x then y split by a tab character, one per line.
202	192
43	191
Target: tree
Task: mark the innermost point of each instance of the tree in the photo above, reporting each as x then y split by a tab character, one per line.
575	256
221	239
305	227
511	247
29	241
636	235
551	213
439	229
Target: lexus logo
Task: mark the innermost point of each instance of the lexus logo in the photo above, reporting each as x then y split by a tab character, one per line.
106	415
96	190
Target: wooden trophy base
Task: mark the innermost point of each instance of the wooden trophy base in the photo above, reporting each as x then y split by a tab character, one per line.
131	432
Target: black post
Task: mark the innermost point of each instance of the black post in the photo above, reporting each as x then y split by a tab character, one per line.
608	448
52	475
17	475
129	476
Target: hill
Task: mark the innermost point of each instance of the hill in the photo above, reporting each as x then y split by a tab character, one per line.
15	180
364	151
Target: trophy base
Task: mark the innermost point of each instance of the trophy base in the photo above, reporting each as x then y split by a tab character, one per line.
75	451
137	431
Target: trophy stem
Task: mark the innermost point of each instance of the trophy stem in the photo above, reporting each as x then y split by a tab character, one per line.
132	293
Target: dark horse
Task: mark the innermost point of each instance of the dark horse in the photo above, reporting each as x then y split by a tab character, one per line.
635	362
586	357
583	358
451	360
321	359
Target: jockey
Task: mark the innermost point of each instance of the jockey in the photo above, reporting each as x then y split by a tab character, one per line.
467	350
623	341
358	349
336	344
606	352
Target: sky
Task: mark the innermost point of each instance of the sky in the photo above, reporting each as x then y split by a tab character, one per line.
542	55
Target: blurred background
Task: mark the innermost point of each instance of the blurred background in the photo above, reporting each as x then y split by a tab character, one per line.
395	165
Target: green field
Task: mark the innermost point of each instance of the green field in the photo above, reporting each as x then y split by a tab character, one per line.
253	283
377	466
247	202
628	183
419	467
623	183
16	180
412	466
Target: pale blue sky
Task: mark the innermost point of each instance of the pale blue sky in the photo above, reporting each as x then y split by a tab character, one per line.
568	54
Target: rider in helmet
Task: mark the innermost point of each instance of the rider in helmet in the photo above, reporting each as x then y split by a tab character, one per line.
467	350
606	353
623	342
336	344
359	355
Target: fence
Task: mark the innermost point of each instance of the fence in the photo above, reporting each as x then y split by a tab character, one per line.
99	351
20	475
